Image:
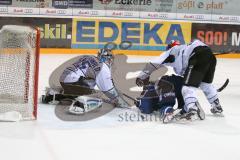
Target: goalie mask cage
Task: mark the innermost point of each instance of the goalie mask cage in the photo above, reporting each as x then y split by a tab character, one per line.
19	60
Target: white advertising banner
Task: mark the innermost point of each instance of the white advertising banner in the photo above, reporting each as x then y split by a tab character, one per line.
190	10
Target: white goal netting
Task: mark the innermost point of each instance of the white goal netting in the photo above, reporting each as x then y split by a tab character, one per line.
19	52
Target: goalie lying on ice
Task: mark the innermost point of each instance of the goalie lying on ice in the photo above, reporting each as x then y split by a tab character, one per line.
80	79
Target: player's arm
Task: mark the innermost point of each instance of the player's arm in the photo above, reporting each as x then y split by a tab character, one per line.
105	84
150	67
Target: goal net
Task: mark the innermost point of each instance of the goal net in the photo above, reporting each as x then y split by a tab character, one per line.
19	54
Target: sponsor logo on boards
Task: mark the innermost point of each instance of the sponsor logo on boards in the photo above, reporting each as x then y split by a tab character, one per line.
190	4
54	31
63	4
34	3
164	6
5	2
143	35
128	2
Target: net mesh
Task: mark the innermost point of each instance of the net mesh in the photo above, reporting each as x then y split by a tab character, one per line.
17	67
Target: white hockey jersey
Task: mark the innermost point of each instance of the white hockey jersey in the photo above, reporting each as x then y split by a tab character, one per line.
182	54
93	71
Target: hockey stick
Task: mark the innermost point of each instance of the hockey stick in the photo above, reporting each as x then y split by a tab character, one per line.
129	97
223	86
218	90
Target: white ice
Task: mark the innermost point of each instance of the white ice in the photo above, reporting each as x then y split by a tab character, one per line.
107	138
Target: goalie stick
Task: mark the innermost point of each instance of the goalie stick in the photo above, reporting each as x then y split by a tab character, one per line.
129	97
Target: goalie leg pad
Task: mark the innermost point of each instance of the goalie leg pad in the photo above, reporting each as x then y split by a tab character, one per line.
84	104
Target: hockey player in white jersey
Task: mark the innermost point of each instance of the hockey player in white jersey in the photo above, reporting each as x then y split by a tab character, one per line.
80	79
196	63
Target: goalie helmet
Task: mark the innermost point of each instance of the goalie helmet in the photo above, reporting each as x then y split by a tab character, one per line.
172	44
106	56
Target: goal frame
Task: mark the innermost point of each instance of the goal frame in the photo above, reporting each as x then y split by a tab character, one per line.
19	101
35	107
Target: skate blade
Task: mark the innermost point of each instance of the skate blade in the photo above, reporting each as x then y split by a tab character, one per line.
189	118
218	115
174	117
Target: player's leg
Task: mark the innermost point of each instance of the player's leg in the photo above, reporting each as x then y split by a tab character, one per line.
73	84
69	91
209	90
56	95
194	74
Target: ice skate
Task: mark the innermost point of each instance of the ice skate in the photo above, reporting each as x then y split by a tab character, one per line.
167	114
195	112
216	108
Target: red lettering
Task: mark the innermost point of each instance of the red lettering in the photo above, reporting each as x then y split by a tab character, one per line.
212	38
218	38
200	36
209	38
225	38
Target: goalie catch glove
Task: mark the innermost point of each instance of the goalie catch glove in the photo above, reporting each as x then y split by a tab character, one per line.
142	82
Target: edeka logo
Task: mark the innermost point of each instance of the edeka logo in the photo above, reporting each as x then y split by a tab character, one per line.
128	2
144	35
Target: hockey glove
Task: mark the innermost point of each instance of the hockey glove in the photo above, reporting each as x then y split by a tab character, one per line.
142	82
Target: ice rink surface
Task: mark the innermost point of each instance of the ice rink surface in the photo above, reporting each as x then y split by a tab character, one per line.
108	138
